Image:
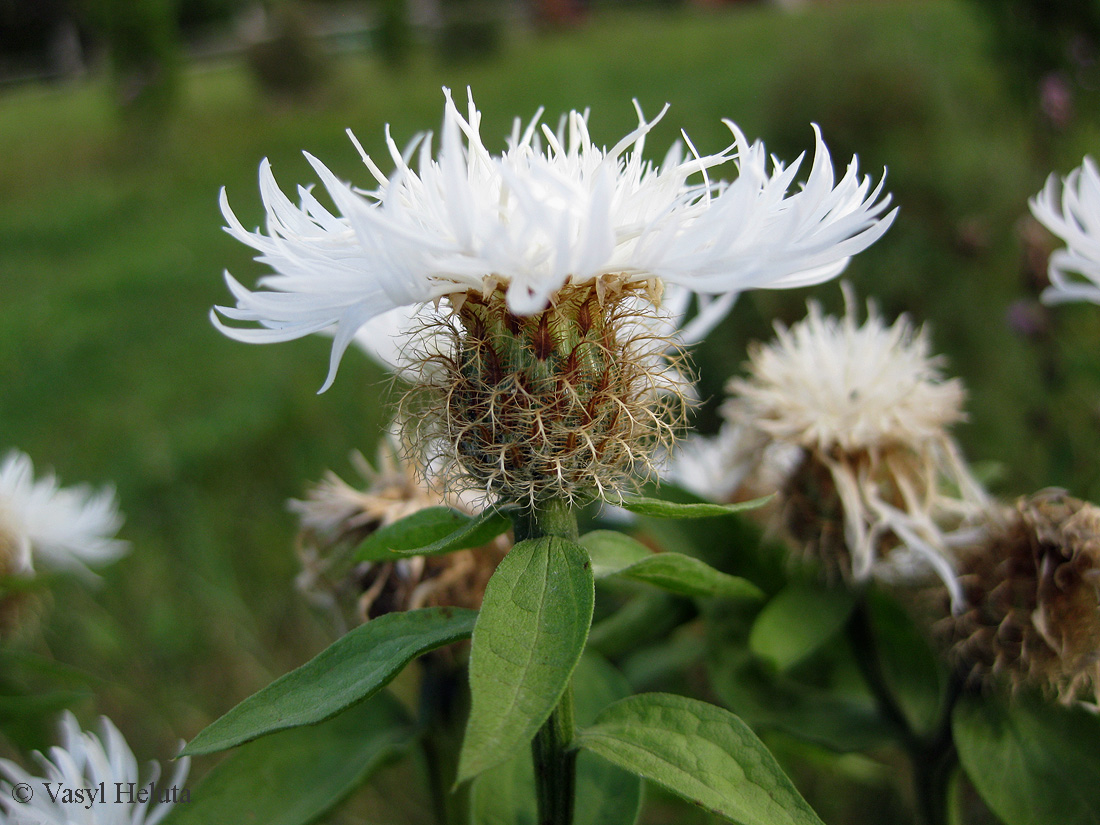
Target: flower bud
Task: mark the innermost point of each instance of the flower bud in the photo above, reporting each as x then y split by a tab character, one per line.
567	403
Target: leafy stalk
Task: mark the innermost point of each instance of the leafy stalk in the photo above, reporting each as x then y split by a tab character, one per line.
555	758
932	757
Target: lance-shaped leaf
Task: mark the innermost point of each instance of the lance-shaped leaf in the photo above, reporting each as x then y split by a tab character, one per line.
616	554
1033	763
530	633
433	531
354	667
660	508
701	752
297	776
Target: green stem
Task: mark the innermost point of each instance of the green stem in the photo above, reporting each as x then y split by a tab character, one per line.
862	636
442	706
933	757
547	518
554	759
556	764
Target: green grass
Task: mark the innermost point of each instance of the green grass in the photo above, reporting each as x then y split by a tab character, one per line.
111	252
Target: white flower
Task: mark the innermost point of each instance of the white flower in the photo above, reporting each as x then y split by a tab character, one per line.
868	408
66	528
82	761
736	464
1075	218
550	210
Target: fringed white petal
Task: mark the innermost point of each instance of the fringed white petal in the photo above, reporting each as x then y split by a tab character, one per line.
1070	208
82	761
552	208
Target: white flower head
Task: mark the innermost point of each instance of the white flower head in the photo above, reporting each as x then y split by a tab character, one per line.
869	410
82	761
729	466
552	209
1071	210
66	528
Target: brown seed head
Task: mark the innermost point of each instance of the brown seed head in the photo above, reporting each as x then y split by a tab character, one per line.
1032	600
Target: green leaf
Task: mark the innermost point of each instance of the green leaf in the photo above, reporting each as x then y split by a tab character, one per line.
296	776
825	714
354	667
529	635
701	752
606	794
660	508
650	615
1034	763
798	621
433	532
681	574
611	551
616	554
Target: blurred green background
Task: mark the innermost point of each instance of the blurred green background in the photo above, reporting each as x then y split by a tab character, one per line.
111	253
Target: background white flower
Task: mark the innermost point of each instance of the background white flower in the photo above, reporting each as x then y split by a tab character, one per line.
66	528
83	760
1071	210
553	208
869	409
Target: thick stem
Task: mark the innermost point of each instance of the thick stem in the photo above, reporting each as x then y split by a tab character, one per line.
862	636
553	517
556	764
442	706
933	757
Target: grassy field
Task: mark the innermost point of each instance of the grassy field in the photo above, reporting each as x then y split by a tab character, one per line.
111	252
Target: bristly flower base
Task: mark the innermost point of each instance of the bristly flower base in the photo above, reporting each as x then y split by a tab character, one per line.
567	403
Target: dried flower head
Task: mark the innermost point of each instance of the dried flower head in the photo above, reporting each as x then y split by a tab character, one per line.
1031	596
538	275
855	419
336	518
83	761
1071	210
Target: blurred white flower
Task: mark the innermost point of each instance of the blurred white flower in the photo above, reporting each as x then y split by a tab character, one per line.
879	487
65	528
736	464
1071	210
552	210
85	762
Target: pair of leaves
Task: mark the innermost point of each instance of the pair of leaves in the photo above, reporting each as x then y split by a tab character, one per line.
606	794
527	641
1034	763
701	752
617	554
